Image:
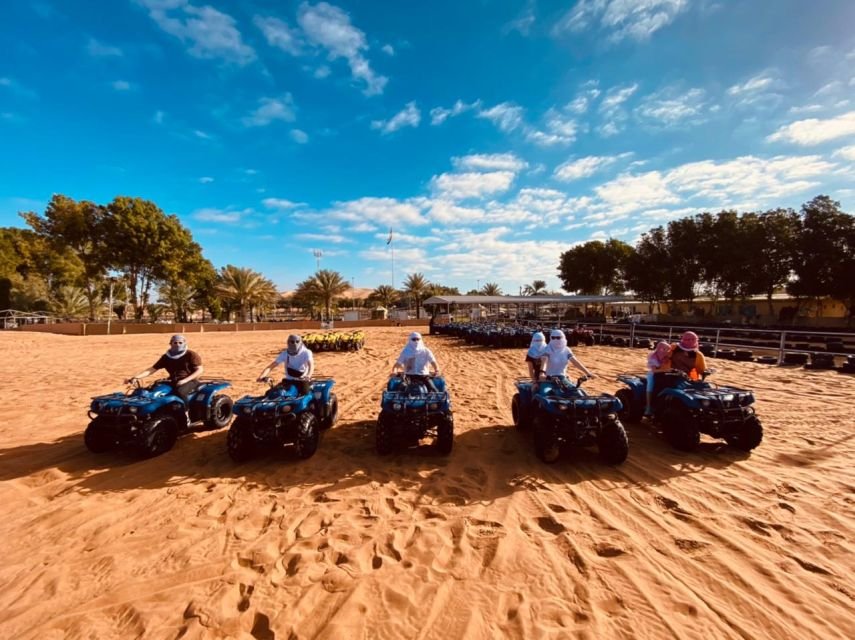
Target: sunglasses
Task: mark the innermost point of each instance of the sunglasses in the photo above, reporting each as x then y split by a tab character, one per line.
176	343
555	337
293	342
415	339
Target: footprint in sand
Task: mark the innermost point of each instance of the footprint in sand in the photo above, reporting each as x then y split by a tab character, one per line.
673	506
608	550
261	628
690	546
550	525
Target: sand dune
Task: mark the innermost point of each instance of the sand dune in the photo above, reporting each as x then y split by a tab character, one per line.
486	543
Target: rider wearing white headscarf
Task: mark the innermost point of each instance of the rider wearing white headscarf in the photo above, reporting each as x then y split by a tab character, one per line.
299	364
183	366
416	359
558	356
535	354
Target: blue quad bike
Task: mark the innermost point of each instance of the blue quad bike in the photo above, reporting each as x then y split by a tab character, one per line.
411	411
561	413
280	417
150	419
684	409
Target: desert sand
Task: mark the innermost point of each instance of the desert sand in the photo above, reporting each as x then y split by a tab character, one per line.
485	543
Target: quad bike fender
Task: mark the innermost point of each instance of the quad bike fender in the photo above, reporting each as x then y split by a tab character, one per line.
637	384
680	396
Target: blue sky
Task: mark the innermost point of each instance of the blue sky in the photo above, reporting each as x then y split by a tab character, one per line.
490	135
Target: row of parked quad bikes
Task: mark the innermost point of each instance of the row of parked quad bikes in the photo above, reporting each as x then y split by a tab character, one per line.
559	414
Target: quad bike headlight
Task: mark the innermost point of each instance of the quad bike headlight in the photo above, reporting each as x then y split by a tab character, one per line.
133	409
433	406
397	406
563	407
611	416
286	408
705	404
247	410
728	397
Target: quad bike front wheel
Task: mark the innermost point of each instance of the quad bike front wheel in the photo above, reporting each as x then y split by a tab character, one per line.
308	435
96	438
331	412
239	441
383	435
631	411
750	436
613	443
522	420
445	435
162	434
546	444
680	429
221	411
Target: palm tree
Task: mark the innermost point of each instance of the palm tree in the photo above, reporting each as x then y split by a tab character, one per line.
536	288
263	298
491	289
416	286
70	302
325	286
241	287
385	294
180	297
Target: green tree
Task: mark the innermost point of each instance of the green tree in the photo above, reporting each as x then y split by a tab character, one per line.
491	289
595	267
385	295
771	238
70	303
180	298
416	287
647	269
321	290
684	273
243	289
75	230
147	246
536	288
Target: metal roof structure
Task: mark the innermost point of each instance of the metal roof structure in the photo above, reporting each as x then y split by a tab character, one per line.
567	300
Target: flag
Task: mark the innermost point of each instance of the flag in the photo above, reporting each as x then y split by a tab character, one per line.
389	241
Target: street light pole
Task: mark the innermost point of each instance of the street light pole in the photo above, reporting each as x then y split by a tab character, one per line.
110	312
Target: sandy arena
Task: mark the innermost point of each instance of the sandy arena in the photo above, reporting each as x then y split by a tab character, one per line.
486	543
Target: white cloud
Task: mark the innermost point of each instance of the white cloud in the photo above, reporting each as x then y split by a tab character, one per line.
121	85
158	117
583	167
206	180
559	130
220	215
383	211
506	116
759	82
330	27
616	96
362	227
280	34
831	87
99	50
322	72
438	115
202	135
813	131
522	23
299	136
281	204
209	33
409	116
668	108
490	162
324	237
585	98
609	129
808	108
621	18
17	89
271	109
388	49
847	153
458	186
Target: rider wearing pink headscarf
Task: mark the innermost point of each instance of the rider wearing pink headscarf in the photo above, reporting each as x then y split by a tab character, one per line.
686	357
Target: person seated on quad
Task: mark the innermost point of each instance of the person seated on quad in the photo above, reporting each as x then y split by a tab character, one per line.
535	355
658	361
558	356
299	364
686	357
416	361
183	366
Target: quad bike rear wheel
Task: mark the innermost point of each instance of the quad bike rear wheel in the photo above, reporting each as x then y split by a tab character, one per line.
613	443
96	438
750	436
680	429
331	413
308	435
221	411
239	441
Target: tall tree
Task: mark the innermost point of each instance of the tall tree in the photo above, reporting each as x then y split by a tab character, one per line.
685	270
146	245
536	288
647	269
385	295
491	289
70	303
242	289
771	237
324	287
595	267
416	287
78	228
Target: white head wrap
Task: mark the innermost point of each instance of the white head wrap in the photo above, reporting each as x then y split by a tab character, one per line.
557	345
176	351
537	346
